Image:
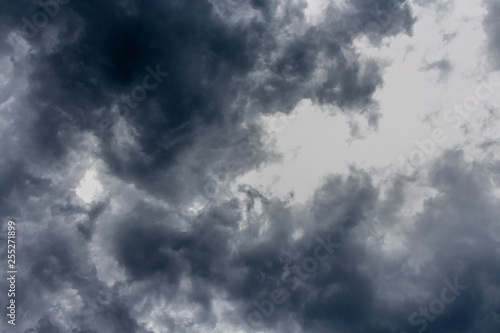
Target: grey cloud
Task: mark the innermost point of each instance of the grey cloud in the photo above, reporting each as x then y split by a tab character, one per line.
83	77
198	129
444	68
492	28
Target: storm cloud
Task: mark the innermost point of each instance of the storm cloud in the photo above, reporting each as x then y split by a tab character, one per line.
163	105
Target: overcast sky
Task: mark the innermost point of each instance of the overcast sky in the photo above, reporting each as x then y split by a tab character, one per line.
237	166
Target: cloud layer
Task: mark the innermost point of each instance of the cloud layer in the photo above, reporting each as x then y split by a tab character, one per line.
164	101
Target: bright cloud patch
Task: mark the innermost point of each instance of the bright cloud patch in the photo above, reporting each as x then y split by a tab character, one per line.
89	188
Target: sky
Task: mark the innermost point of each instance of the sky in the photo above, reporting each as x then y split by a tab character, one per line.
238	166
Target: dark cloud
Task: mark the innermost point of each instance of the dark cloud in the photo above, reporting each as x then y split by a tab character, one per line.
94	59
169	245
452	239
492	28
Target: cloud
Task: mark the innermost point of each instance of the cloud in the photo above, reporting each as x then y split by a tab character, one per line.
492	29
162	104
444	68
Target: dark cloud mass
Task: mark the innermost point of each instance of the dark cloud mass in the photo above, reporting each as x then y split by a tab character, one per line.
492	26
166	99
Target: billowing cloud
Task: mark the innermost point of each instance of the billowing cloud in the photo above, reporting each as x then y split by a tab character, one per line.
125	125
